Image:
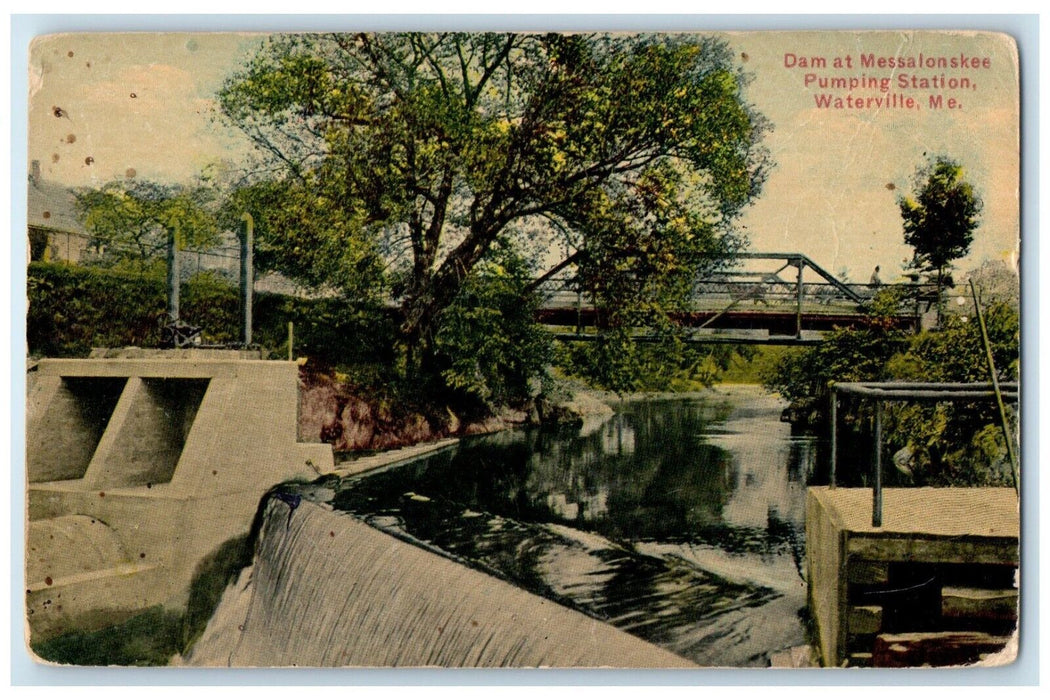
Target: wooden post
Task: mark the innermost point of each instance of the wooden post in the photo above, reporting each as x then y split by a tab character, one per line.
173	277
247	277
579	311
291	338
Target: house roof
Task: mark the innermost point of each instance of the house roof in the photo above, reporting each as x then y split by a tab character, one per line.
51	206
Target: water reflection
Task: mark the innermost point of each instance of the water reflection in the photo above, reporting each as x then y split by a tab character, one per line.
679	521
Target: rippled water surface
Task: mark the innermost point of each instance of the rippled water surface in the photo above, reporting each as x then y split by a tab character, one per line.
680	521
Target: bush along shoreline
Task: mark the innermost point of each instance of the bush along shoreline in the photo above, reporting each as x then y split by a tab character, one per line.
935	444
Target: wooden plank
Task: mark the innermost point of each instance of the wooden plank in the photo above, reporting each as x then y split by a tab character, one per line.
865	619
979	603
933	648
868	572
860	659
941	550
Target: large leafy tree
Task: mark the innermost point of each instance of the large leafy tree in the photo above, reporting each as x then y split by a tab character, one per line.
940	217
412	154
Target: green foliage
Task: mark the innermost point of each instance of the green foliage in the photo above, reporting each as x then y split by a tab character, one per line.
150	638
956	443
73	309
425	149
357	337
132	220
752	364
946	443
488	342
939	219
955	352
615	362
301	232
847	355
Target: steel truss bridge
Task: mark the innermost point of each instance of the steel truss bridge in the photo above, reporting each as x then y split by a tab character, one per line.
762	298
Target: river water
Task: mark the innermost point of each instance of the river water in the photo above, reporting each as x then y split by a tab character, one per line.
680	521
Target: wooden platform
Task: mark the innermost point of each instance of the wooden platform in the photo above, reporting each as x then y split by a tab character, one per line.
930	512
942	566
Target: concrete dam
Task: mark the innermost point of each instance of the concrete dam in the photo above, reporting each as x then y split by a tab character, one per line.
140	464
143	464
328	590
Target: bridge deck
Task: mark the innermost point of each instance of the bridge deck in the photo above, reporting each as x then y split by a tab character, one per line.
783	321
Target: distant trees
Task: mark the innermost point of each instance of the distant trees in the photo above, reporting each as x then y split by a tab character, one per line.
940	218
133	220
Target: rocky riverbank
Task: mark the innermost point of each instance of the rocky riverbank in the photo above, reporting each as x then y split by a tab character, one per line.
335	412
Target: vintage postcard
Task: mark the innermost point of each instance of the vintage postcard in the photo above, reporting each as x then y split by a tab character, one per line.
583	350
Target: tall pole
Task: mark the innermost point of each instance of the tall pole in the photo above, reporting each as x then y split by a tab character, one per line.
173	276
998	393
247	276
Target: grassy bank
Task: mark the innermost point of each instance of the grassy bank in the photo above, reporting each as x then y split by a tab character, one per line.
759	366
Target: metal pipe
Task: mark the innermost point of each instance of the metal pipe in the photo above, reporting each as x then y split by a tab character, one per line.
876	491
948	386
834	436
882	392
247	276
917	395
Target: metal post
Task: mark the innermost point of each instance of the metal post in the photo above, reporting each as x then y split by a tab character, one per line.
247	277
918	306
834	436
173	277
291	339
579	311
876	491
798	294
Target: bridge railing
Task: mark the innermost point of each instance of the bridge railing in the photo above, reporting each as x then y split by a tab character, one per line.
737	288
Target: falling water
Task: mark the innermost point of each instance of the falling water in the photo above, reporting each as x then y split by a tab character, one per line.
676	522
328	590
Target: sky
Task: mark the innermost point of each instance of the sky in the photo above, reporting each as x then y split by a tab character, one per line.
143	105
